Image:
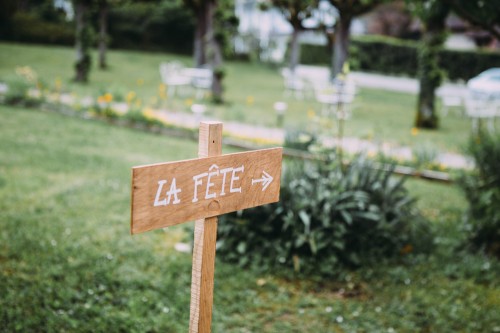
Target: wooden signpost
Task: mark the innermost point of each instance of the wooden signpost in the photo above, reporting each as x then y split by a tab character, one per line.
201	189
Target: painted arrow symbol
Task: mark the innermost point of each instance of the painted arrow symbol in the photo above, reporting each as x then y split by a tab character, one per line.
265	180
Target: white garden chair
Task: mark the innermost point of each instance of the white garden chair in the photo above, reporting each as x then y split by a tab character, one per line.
293	84
173	77
481	109
336	99
201	80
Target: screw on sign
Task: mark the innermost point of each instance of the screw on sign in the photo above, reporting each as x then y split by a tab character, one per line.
200	189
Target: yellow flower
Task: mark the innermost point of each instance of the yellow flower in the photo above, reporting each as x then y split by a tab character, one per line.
162	91
188	102
310	113
148	113
250	100
130	97
140	82
101	99
108	97
58	84
414	131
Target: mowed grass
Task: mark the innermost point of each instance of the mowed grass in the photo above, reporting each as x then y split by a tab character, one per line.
69	264
251	89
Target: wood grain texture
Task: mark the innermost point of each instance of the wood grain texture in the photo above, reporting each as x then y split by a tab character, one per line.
205	239
200	189
250	178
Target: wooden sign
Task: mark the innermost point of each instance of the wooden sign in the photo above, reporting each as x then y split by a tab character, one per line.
170	193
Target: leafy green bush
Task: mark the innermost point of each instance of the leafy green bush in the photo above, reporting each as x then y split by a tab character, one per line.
28	27
482	190
298	139
18	93
328	218
147	25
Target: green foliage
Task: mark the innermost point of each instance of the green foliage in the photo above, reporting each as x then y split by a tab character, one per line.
400	57
482	189
137	117
226	26
69	264
146	25
84	38
485	14
16	93
28	27
329	217
298	139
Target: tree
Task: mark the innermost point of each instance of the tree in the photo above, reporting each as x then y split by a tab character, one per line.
200	9
348	10
103	9
484	14
432	14
83	39
295	12
214	20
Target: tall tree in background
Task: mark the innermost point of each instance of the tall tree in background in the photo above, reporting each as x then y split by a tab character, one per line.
481	13
83	39
200	12
432	14
214	20
103	10
295	12
348	10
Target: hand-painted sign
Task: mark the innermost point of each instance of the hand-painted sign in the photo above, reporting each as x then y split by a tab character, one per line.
170	193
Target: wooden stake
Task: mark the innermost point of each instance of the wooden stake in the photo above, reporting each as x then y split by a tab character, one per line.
205	237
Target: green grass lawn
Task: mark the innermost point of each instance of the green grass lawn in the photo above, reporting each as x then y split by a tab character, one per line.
251	89
69	264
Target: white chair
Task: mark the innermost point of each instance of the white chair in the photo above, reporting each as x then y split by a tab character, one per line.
201	80
293	84
479	109
451	100
173	77
334	100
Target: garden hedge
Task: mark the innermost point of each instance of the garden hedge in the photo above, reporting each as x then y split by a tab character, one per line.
399	57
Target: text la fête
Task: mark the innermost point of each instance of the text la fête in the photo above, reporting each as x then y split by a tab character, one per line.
216	182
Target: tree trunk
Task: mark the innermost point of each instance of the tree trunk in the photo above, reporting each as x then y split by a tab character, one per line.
200	36
294	49
426	109
429	72
214	53
82	43
103	34
340	45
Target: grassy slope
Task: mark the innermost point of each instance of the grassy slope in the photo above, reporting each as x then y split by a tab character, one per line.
251	91
68	263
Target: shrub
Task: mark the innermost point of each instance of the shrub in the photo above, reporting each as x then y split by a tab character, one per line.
328	218
395	56
482	190
28	27
19	93
298	139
